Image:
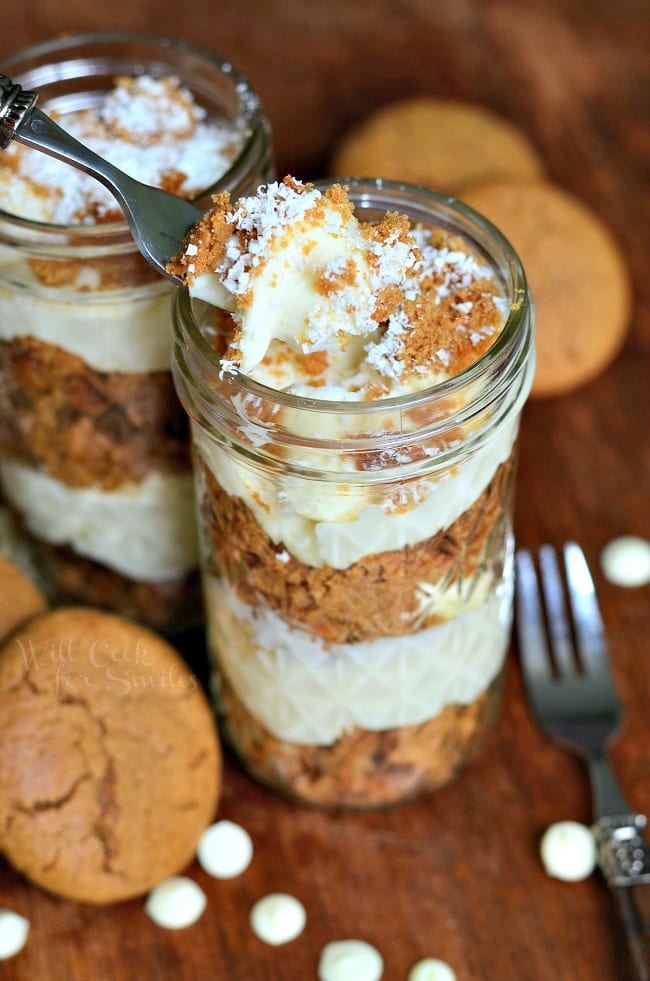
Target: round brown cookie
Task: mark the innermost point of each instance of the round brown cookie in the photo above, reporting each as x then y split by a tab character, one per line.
20	597
441	143
577	278
109	762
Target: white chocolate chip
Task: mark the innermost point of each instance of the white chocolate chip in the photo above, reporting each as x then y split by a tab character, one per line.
350	960
13	933
225	850
625	561
431	969
568	851
176	903
277	918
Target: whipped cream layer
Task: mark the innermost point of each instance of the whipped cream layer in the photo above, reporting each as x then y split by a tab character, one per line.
111	330
308	692
145	531
337	524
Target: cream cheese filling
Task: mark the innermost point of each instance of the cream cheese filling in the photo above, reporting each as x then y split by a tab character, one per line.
308	692
144	531
111	330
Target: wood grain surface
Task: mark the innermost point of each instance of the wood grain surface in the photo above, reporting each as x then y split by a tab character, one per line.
456	876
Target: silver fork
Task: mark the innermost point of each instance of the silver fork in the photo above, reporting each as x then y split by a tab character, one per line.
565	665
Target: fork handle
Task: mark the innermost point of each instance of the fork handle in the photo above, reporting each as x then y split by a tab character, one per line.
624	859
21	120
634	908
608	798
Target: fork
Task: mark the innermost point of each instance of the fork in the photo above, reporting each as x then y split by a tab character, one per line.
565	665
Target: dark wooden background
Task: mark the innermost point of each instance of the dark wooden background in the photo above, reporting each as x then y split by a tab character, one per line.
456	876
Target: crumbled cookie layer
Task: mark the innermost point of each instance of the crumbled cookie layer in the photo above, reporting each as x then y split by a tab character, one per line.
86	427
377	596
363	768
110	272
168	606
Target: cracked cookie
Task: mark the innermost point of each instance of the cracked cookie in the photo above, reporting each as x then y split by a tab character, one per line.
109	760
20	597
577	275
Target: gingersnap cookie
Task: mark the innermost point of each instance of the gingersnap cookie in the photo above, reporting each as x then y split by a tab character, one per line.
441	143
109	762
576	274
20	597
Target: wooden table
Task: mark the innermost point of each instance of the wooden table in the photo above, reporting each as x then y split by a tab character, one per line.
456	876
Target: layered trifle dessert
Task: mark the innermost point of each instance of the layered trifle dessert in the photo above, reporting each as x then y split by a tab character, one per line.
354	379
94	456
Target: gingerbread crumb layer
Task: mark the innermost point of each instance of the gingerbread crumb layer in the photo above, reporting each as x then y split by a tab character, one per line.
169	605
86	427
87	275
377	596
364	769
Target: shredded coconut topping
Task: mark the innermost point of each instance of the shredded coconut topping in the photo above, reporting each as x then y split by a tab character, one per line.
256	223
383	355
143	109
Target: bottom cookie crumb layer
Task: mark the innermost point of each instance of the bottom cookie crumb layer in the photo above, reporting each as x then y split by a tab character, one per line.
364	769
168	605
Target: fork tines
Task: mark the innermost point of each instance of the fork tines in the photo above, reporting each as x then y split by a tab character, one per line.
575	643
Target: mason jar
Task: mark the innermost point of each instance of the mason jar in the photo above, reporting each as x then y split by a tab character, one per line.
357	556
94	449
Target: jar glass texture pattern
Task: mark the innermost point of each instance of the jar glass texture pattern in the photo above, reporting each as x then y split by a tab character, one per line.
357	556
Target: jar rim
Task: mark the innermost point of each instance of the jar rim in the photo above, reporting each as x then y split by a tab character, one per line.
115	235
515	332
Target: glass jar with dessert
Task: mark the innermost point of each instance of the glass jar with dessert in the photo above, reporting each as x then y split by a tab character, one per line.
354	363
94	449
